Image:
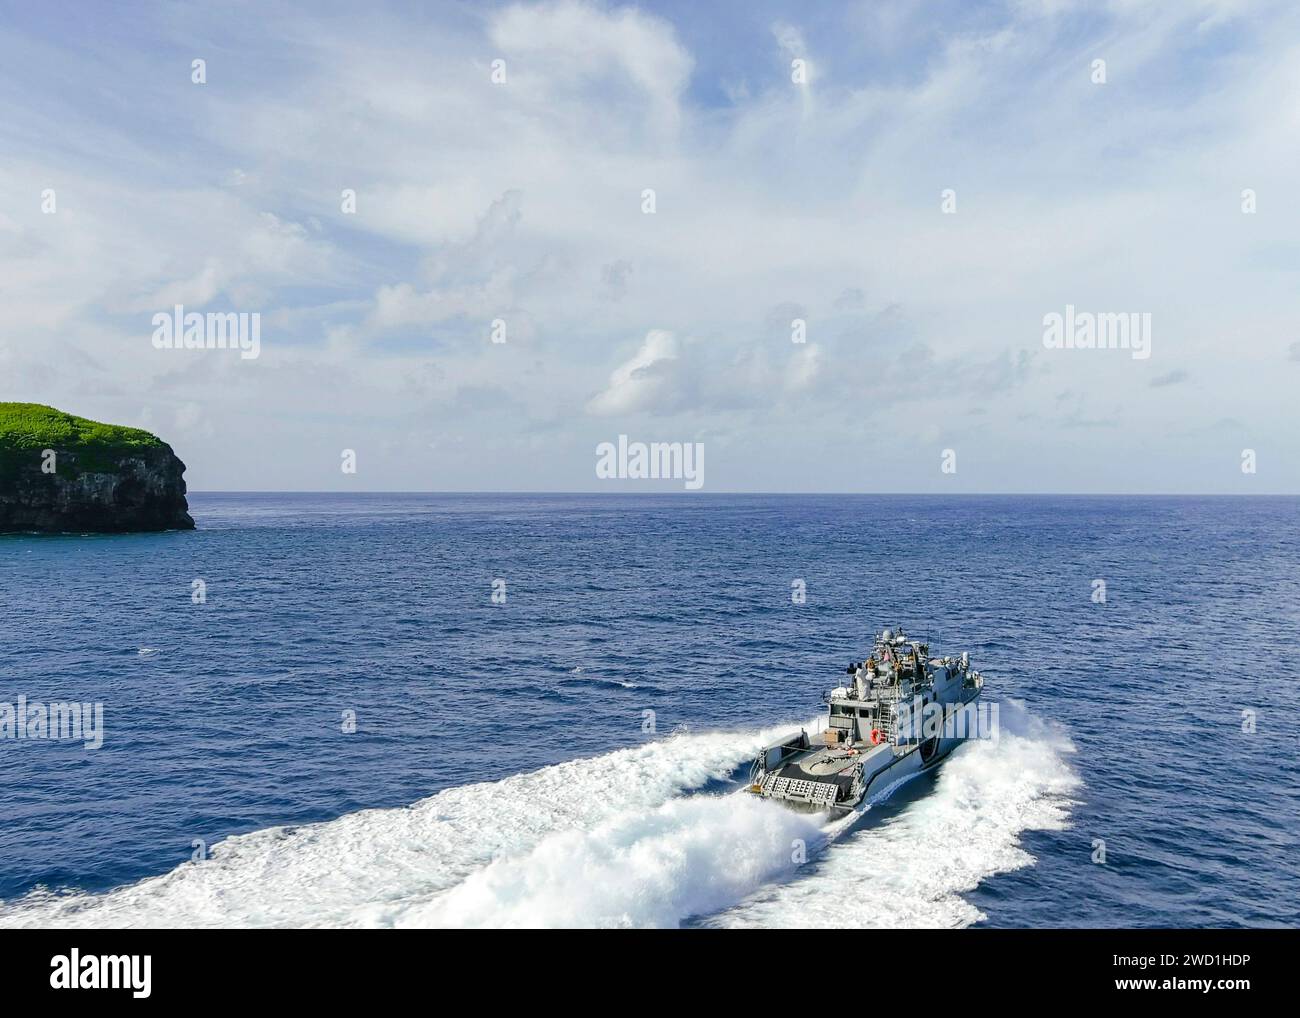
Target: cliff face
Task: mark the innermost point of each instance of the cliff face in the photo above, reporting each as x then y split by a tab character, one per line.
99	478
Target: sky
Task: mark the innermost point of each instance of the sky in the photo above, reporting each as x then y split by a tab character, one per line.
921	185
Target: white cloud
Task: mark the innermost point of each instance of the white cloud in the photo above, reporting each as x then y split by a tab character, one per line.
649	380
793	48
522	201
565	47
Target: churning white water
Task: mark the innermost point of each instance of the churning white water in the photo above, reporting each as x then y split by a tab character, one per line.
618	840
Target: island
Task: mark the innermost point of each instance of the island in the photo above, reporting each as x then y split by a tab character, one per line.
62	474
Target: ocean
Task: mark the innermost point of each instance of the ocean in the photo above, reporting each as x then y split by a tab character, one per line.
497	710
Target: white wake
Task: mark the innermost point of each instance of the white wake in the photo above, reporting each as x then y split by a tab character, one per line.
610	841
911	869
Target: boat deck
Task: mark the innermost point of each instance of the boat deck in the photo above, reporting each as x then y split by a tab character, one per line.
832	764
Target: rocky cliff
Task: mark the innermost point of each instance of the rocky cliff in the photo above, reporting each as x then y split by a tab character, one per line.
66	474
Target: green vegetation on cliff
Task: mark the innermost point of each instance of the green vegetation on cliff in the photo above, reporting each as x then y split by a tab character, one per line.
28	428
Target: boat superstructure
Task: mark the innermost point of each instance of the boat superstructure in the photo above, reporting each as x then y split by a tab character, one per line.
900	712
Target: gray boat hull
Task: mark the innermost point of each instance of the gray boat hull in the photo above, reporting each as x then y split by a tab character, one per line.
900	717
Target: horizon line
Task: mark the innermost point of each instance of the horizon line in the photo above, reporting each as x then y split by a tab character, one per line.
784	494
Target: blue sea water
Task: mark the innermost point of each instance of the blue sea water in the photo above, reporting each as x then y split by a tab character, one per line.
457	799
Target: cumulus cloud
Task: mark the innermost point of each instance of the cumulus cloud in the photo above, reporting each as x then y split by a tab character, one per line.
520	201
649	380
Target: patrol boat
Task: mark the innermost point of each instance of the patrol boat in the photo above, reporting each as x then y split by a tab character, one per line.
901	713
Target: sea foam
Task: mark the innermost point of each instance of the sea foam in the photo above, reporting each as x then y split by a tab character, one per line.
624	839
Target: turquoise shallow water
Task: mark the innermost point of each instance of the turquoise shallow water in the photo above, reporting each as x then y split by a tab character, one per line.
226	718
